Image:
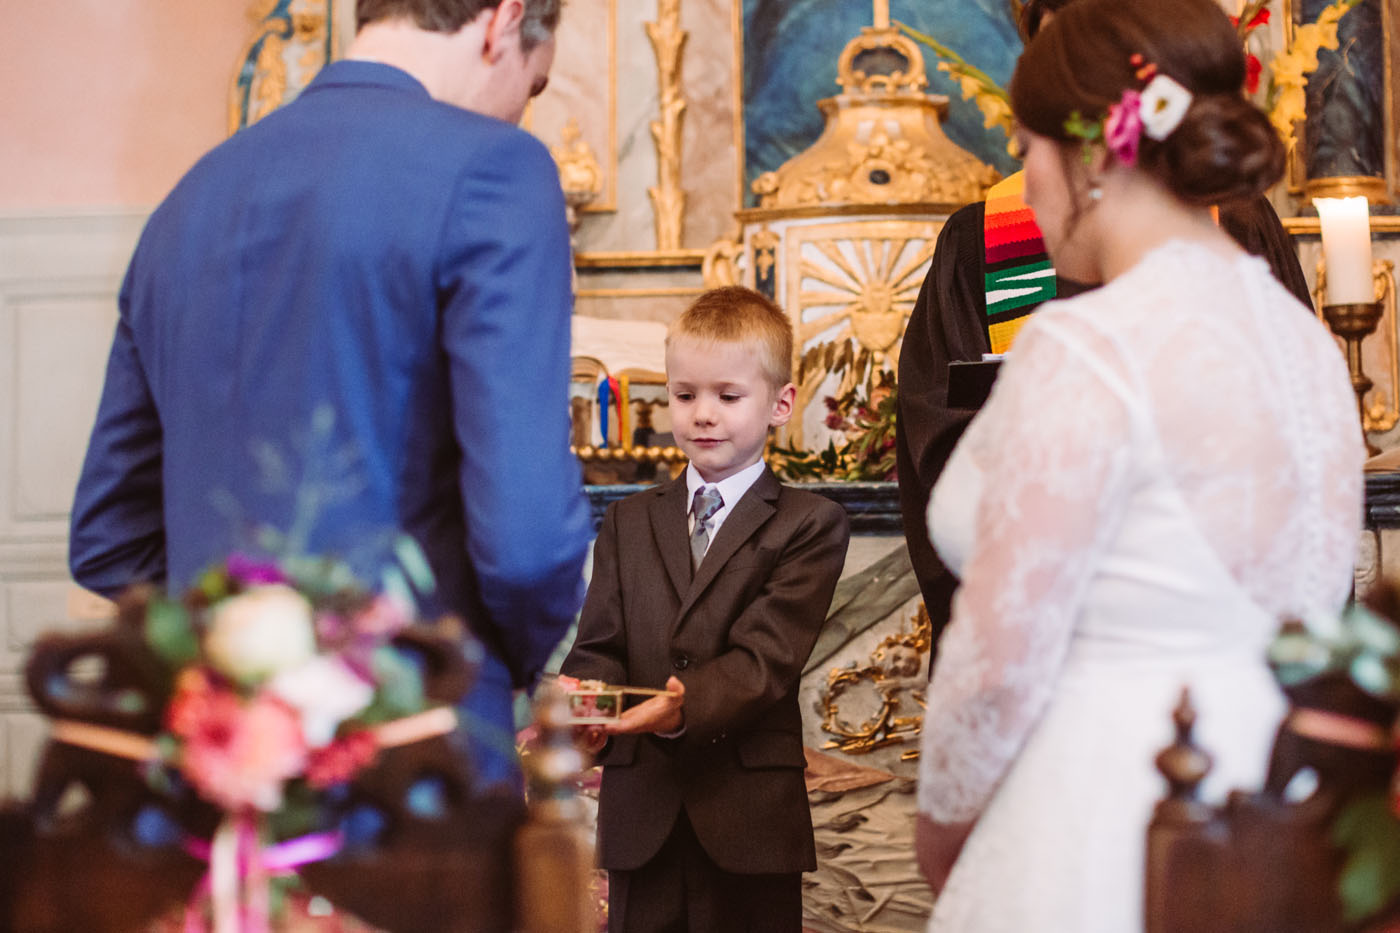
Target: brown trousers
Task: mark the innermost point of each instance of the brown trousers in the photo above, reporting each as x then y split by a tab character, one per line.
681	890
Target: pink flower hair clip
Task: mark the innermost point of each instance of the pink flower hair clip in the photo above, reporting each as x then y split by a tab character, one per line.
1156	110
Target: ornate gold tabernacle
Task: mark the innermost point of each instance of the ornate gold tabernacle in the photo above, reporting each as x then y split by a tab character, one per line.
883	142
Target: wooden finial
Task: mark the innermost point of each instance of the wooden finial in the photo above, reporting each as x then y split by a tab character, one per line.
1182	763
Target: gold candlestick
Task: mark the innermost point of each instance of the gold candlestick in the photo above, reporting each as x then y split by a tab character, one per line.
1353	323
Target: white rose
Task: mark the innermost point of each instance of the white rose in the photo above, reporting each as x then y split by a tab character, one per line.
1164	102
255	634
325	692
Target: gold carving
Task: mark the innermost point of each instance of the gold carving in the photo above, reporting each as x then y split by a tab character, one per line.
854	280
721	264
1379	410
591	454
892	683
667	197
633	259
579	171
272	84
1347	186
1302	226
765	242
289	45
580	175
883	142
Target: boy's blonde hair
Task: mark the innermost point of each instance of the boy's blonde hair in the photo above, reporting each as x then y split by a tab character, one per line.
734	314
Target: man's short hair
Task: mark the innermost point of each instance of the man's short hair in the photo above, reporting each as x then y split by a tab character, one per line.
734	314
541	16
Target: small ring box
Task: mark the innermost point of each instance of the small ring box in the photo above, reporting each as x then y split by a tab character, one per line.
595	705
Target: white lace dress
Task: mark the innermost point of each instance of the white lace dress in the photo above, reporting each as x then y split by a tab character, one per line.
1166	466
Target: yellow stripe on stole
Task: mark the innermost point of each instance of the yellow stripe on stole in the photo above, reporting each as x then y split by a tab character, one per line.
1004	333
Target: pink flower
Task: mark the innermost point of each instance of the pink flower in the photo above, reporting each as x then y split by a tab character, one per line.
383	617
341	760
1123	129
253	572
236	754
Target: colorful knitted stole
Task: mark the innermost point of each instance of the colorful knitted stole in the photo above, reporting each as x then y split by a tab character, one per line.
1019	275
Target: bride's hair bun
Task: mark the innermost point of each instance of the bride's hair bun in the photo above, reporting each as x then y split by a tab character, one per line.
1224	150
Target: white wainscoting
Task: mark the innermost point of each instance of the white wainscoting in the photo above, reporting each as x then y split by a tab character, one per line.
59	276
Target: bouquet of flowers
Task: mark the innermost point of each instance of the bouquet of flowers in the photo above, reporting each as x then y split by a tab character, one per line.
278	683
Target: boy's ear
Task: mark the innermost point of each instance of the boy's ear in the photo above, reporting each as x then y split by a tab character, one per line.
783	406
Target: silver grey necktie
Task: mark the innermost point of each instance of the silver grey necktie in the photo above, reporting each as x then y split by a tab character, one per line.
706	504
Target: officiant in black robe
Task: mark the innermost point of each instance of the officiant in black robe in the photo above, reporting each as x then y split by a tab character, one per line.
949	323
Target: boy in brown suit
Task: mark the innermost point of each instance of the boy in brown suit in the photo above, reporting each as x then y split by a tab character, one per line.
715	586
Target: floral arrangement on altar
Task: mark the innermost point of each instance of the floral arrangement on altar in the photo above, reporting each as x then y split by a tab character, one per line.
280	683
861	416
1285	100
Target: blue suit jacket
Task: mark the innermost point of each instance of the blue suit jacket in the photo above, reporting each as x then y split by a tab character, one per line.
350	320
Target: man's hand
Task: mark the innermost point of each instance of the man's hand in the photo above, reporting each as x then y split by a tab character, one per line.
662	714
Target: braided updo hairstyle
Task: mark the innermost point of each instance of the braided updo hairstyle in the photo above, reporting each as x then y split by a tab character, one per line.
1223	151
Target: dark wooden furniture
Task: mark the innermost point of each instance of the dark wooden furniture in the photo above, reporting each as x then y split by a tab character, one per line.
1262	862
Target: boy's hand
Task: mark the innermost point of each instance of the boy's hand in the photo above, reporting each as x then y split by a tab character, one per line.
590	739
659	714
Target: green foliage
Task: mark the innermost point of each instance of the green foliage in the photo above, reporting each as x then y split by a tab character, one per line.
866	416
171	634
961	65
1366	648
398	688
1370	834
1359	642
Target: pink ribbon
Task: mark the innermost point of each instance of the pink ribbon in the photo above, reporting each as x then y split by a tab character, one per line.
238	865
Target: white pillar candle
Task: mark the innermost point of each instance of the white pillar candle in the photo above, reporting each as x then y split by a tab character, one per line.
1346	249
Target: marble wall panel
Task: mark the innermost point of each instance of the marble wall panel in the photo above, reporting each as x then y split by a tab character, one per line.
645	293
583	88
708	163
711	169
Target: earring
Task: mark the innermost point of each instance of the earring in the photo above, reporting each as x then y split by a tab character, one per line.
1096	193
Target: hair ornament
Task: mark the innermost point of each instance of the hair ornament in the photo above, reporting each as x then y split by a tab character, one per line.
1145	69
1164	103
1156	111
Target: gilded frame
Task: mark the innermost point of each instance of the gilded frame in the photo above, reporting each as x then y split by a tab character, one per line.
1296	173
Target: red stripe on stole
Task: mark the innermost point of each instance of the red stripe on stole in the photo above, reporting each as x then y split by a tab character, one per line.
1019	250
1014	241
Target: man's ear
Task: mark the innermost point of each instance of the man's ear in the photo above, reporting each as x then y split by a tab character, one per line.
504	23
783	405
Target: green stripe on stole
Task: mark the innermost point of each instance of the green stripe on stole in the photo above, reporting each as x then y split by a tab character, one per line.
1025	284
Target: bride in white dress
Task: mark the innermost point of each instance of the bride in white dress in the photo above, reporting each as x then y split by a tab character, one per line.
1167	466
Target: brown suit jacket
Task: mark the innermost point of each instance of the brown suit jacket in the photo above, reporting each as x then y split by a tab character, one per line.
737	635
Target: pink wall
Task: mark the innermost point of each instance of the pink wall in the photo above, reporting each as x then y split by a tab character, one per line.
107	102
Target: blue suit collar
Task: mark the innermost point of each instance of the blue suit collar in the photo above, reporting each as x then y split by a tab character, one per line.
351	73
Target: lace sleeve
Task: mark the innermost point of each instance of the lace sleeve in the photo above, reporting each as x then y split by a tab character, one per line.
1052	447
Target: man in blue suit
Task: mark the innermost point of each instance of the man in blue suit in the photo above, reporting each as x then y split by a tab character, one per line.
350	321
